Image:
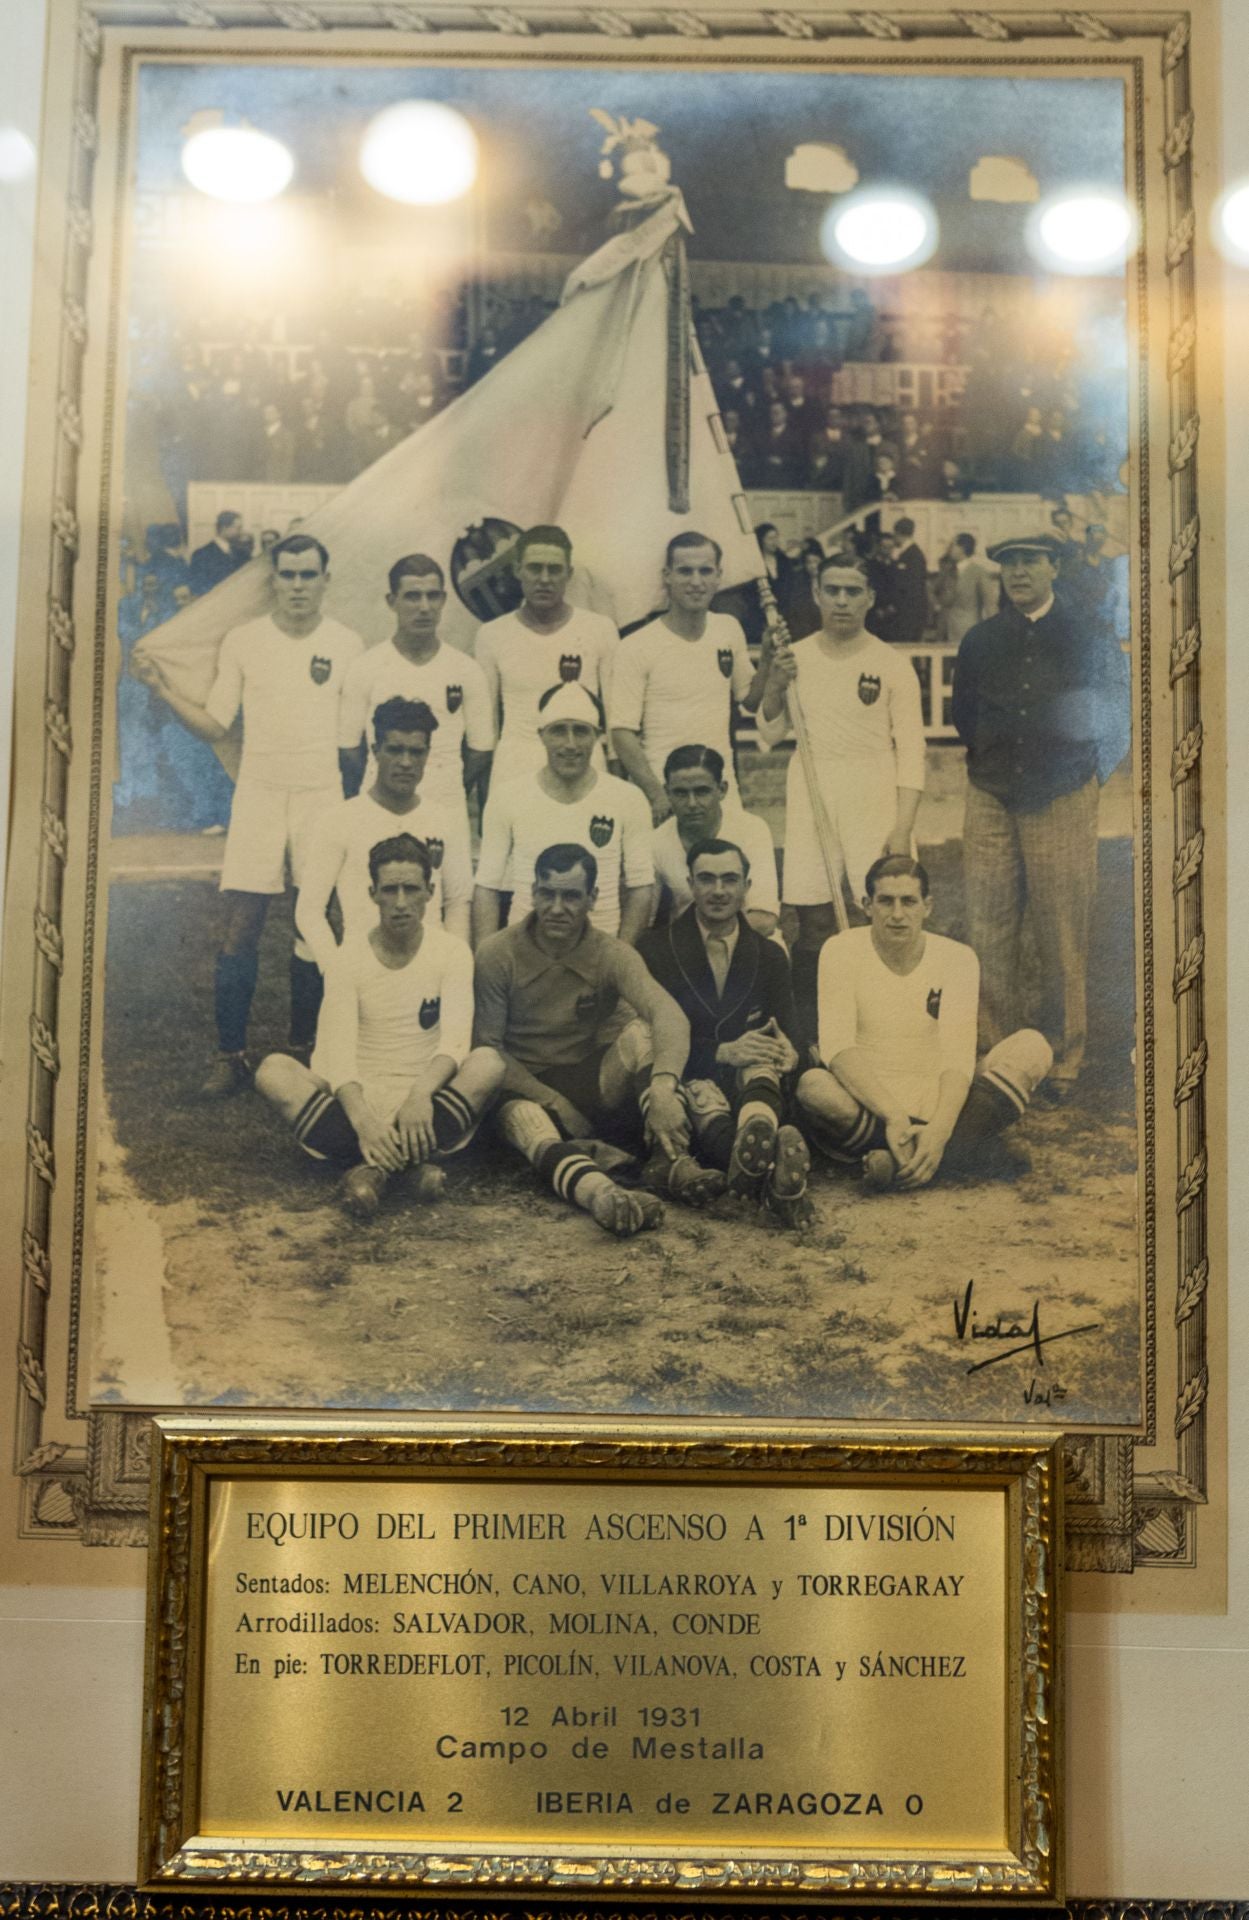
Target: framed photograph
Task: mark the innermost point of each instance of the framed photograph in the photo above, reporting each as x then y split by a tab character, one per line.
889	320
675	1661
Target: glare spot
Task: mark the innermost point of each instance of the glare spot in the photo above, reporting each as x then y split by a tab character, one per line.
237	163
420	152
1231	223
17	155
1087	232
881	231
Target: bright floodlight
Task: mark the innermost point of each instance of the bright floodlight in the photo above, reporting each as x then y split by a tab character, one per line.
885	230
237	163
1092	231
1231	223
419	152
17	155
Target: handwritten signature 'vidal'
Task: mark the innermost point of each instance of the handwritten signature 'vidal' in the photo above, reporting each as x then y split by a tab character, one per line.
967	1326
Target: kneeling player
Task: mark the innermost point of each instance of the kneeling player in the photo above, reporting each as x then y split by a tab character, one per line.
550	990
393	1083
900	1089
734	988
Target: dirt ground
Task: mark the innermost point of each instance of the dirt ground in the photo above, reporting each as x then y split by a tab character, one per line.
210	1223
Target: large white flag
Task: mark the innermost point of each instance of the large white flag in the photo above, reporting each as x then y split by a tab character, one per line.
572	427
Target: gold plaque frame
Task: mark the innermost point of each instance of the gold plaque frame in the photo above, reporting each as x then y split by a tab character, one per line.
192	1454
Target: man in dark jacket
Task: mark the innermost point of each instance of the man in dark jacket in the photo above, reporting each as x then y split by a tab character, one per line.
1036	699
734	988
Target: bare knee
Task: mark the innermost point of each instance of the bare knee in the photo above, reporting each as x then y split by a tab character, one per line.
819	1092
482	1071
277	1077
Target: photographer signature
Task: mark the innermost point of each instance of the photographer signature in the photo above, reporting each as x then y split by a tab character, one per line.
967	1326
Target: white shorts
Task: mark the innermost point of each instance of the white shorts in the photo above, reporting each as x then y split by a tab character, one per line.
861	797
267	827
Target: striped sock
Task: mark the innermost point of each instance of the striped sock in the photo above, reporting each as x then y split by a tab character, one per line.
566	1169
454	1118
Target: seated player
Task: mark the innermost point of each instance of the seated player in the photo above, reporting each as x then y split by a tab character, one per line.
697	791
733	986
338	840
900	1089
567	801
393	1083
554	994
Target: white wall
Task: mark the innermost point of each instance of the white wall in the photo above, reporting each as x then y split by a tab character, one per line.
1158	1779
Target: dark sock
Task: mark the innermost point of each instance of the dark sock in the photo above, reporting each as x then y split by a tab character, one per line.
563	1166
307	988
453	1118
987	1111
715	1141
234	988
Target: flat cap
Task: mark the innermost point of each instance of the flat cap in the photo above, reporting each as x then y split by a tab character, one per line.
1047	543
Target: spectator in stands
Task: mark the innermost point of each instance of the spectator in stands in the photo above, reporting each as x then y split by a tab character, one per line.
909	586
269	537
368	428
277	447
733	389
163	558
1025	460
222	555
1070	550
860	330
951	485
780	461
804	615
916	476
803	416
318	460
966	592
860	462
827	466
776	564
738	445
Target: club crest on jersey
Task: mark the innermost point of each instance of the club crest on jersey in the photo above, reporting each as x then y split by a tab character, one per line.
601	829
435	849
869	688
934	1002
320	668
455	699
430	1010
570	666
725	657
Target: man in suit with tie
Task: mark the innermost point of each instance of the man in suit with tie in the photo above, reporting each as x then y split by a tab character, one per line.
733	987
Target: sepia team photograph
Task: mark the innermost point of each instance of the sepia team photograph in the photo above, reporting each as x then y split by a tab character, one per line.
619	867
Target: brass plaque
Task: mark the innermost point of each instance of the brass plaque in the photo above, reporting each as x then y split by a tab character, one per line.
691	1660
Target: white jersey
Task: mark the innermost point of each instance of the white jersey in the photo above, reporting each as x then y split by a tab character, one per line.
913	1026
521	664
860	703
452	686
288	692
335	858
679	693
612	820
382	1026
745	830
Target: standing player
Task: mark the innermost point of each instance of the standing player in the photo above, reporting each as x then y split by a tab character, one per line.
899	1088
861	703
677	677
696	788
551	989
545	641
417	665
393	1082
338	840
568	800
284	673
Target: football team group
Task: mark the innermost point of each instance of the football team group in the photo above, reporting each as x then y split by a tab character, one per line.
612	985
